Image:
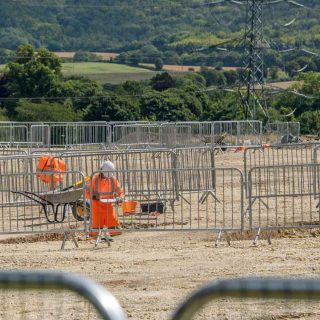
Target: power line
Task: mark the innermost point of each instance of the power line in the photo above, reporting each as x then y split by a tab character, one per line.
113	95
219	47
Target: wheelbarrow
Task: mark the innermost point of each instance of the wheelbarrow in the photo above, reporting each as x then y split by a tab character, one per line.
55	199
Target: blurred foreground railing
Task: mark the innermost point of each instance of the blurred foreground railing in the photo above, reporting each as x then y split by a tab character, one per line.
54	295
257	289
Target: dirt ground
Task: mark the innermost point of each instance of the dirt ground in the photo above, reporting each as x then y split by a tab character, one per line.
150	273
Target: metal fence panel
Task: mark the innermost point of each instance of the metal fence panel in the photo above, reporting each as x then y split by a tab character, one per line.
175	134
56	134
137	135
14	135
186	134
280	132
273	155
4	151
237	133
29	205
167	135
92	134
200	135
40	136
161	205
18	164
154	159
88	162
79	134
55	295
284	196
194	158
316	153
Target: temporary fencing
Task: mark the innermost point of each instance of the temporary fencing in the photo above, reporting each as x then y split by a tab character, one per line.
190	188
177	134
154	159
237	133
152	135
136	135
40	136
79	134
18	164
253	298
89	162
193	158
282	132
163	204
4	151
55	134
14	136
201	133
56	296
316	153
30	204
284	196
142	134
275	155
186	134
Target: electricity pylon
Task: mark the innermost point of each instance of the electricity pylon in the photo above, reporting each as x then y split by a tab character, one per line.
252	84
253	73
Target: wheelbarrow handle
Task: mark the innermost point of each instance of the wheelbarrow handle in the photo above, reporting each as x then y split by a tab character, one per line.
77	184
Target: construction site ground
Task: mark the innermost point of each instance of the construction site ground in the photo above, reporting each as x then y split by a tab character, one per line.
151	272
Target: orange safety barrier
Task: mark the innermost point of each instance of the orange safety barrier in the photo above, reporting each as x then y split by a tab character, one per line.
50	164
129	207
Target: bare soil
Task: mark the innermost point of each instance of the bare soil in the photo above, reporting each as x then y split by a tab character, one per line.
151	272
103	55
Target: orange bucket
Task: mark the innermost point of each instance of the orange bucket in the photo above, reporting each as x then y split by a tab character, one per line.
129	207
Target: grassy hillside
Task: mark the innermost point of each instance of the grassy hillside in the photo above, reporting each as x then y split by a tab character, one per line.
106	72
144	31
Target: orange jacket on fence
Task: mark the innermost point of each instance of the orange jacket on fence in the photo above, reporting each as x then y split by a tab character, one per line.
54	167
103	214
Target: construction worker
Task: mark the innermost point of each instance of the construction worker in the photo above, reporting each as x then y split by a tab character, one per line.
105	192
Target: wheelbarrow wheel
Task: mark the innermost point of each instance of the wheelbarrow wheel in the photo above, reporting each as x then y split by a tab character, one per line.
78	210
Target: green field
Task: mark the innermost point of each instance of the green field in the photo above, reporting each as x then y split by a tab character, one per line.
104	72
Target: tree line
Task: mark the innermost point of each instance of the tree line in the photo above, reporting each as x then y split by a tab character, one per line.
33	88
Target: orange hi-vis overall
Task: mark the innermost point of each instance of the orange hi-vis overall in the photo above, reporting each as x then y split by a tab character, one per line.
103	214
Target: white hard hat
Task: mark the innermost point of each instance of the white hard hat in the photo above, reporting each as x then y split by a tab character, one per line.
108	169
